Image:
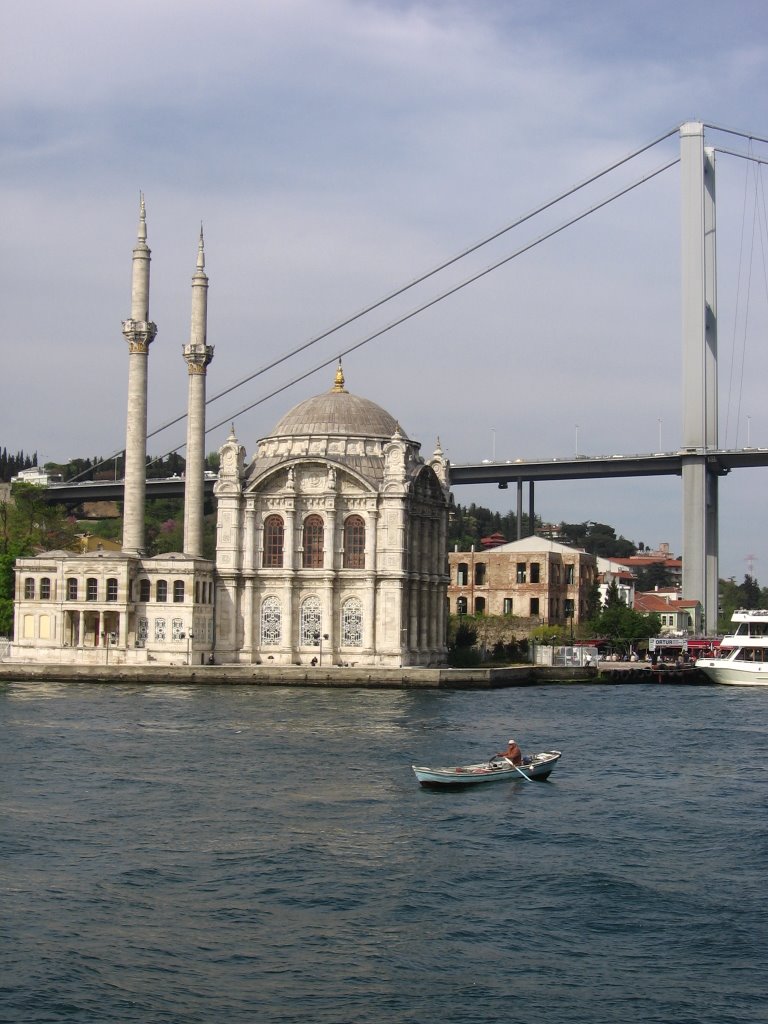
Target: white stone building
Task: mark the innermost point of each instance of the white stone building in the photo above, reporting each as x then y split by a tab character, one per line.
331	544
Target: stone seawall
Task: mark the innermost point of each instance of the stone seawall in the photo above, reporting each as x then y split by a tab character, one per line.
256	675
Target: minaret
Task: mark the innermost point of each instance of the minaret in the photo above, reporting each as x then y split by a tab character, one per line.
197	355
139	332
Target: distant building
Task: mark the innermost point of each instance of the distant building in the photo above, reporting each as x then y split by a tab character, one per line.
613	571
679	616
37	475
660	557
534	578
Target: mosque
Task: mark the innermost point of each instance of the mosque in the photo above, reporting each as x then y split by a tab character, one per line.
331	542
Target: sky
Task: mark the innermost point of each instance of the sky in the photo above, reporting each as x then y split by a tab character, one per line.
337	150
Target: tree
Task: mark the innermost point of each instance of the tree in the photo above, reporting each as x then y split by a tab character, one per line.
652	576
28	525
597	538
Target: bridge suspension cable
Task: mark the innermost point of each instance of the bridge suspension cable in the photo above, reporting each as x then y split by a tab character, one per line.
549	204
421	278
451	291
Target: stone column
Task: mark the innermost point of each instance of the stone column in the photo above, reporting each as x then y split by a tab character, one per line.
139	332
198	356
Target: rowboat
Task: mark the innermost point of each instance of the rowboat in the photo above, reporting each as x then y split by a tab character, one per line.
537	766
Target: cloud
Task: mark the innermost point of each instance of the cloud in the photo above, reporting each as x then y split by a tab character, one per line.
335	151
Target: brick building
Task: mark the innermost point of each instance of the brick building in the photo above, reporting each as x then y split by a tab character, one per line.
534	578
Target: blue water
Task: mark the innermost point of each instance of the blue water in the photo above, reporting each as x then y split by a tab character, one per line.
236	854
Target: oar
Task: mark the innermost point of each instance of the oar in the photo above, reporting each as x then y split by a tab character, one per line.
518	770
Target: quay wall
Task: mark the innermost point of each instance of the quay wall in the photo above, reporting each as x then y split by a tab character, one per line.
256	675
348	677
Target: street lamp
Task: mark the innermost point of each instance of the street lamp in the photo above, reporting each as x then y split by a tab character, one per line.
105	638
190	638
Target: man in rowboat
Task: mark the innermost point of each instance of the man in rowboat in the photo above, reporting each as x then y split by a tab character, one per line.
513	753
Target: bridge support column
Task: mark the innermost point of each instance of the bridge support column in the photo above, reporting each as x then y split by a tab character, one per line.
699	330
531	511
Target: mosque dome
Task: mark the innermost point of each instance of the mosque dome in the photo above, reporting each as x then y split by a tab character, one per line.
336	413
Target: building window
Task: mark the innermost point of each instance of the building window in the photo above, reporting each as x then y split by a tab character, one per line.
352	623
310	622
534	606
461	606
535	572
177	629
313	543
507	605
71	589
569	574
29	627
178	591
29	588
91	589
271	622
159	629
462	574
273	543
161	590
521	577
144	590
480	574
112	589
354	543
479	606
45	589
142	632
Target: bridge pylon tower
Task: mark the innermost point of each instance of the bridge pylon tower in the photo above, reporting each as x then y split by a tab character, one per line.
699	331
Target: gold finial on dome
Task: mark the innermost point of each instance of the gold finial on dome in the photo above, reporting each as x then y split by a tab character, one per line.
338	384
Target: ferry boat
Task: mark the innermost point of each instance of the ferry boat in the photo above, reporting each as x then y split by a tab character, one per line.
743	659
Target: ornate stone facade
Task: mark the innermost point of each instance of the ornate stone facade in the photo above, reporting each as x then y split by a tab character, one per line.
331	543
111	607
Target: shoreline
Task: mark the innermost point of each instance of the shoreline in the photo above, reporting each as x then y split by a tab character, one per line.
342	678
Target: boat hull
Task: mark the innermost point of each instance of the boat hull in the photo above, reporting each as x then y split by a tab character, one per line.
539	768
734	673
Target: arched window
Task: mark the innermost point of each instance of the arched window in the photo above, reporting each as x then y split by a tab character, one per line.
111	589
144	590
271	621
313	543
71	589
480	574
310	623
29	588
45	589
91	589
462	574
354	543
479	606
273	543
161	591
352	622
178	591
461	606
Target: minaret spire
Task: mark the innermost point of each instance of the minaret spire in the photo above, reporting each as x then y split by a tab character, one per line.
198	354
139	332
